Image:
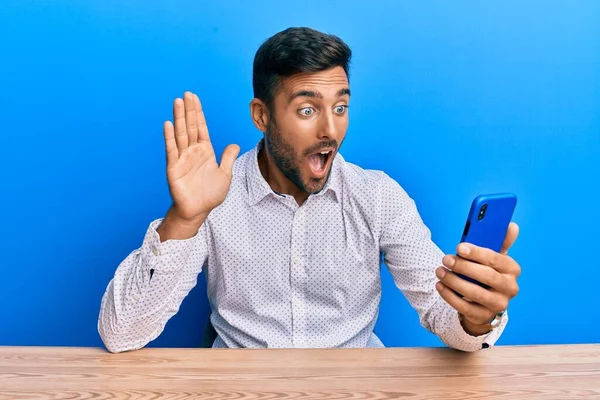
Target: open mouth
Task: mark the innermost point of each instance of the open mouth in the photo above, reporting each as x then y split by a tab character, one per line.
319	162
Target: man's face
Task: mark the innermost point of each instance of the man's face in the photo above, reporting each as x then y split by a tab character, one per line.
310	117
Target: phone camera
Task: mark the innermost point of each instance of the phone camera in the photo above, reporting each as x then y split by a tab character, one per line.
482	212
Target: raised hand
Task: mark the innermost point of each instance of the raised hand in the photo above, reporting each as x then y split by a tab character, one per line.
196	182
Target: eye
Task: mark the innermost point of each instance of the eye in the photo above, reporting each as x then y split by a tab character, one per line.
306	111
340	109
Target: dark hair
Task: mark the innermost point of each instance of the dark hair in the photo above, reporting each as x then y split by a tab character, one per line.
293	51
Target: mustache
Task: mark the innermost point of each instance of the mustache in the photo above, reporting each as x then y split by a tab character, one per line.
323	145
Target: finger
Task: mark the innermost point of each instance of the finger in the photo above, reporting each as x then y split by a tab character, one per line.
180	134
482	273
491	300
170	144
511	235
228	158
481	255
190	117
200	120
475	313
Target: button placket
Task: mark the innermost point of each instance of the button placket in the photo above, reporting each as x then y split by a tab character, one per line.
297	278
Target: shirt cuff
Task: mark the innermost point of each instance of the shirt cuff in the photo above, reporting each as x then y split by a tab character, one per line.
464	341
165	256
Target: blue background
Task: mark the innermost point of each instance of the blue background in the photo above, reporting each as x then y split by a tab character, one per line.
452	99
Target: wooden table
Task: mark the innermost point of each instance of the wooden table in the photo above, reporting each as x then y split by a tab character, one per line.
522	372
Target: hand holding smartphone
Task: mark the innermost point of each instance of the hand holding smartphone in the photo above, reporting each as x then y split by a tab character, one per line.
487	223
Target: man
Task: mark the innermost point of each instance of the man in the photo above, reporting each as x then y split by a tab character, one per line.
290	234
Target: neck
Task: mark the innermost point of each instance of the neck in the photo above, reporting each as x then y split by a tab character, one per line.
276	179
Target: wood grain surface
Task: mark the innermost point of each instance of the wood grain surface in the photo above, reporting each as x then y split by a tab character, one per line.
503	372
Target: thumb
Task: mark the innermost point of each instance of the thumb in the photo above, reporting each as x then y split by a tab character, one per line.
228	158
511	235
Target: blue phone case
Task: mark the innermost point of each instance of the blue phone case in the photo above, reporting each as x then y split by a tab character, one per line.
488	228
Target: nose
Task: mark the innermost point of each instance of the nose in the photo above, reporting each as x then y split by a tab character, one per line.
327	129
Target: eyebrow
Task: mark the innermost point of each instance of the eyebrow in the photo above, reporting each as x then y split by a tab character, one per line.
318	95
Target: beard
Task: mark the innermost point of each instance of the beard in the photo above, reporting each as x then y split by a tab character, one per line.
289	162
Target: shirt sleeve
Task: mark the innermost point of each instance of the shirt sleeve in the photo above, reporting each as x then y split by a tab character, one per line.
148	288
412	258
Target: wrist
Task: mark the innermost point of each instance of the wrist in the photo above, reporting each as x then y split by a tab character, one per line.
175	218
175	227
474	329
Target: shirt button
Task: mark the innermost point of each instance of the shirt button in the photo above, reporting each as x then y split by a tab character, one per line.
296	260
155	251
136	296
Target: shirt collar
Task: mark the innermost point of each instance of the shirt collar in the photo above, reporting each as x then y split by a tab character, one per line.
258	188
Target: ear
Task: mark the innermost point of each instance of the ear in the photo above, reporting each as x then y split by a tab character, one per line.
259	114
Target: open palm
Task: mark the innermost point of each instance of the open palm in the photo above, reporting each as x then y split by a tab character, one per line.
196	182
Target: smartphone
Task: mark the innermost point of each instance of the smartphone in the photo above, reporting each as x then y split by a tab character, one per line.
487	223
